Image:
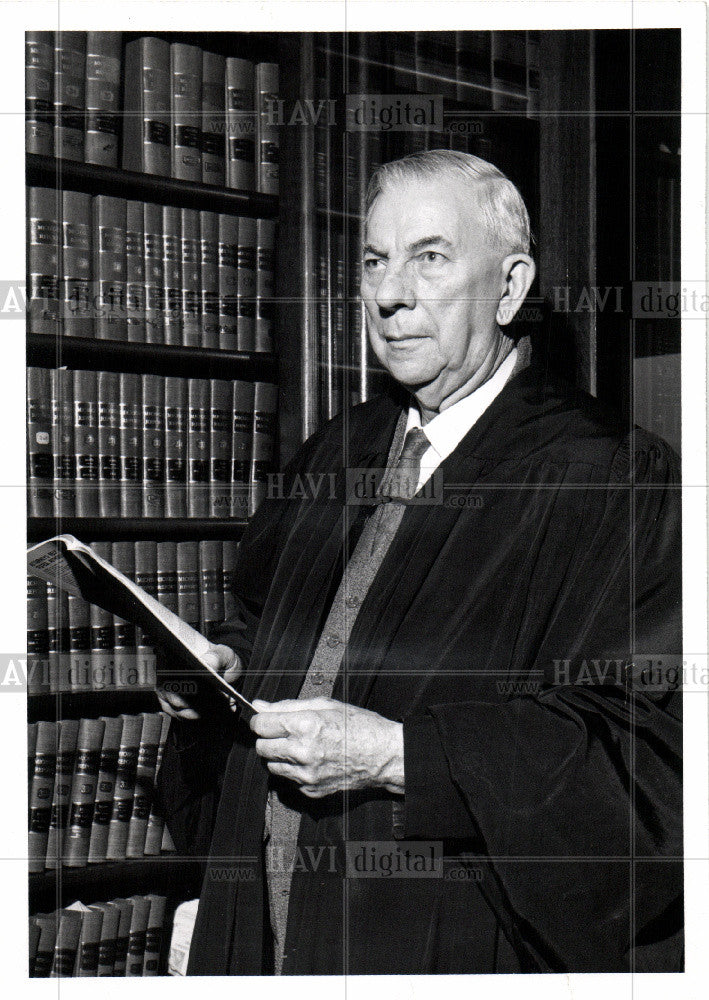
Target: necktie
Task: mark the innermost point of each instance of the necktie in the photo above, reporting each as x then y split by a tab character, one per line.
401	482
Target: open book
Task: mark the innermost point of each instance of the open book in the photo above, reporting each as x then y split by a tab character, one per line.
76	568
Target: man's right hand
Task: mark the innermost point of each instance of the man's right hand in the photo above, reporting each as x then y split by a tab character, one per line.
176	705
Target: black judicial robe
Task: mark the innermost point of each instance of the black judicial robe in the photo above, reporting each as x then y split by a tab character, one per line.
501	629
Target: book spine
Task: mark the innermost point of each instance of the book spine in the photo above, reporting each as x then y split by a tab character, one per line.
146	131
246	285
57	637
153	937
146	576
34	937
80	666
167	575
76	291
40	444
325	320
136	935
532	73
228	282
242	432
220	449
172	274
67	944
125	788
69	94
144	784
109	215
175	447
268	144
125	909
135	273
43	260
198	448
211	586
37	637
110	915
209	278
230	552
87	957
154	304
131	444
213	129
62	391
185	111
41	794
240	124
39	92
191	278
83	792
265	288
105	787
47	923
103	81
263	440
188	582
109	444
68	730
156	823
153	446
124	632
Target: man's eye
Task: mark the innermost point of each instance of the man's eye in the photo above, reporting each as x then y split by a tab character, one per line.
370	263
431	257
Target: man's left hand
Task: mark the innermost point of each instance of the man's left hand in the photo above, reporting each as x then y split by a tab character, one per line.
327	746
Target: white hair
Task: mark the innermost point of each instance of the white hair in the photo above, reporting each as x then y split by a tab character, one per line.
500	204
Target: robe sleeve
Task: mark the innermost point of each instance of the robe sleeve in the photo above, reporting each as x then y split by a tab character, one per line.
574	792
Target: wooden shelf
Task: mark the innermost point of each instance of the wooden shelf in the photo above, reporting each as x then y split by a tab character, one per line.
47	171
47	351
117	529
90	704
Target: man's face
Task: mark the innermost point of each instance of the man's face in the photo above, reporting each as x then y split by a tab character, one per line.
431	285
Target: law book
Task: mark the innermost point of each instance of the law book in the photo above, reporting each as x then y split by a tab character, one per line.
230	552
187	567
69	94
175	447
64	484
153	446
31	753
146	577
172	274
125	788
241	440
167	575
86	443
110	915
213	126
43	243
263	441
137	935
191	278
39	92
57	637
135	272
209	278
79	652
185	111
88	952
109	255
268	143
156	823
83	792
125	911
105	787
325	320
220	449
41	794
37	637
265	288
532	73
44	957
246	285
67	732
228	282
211	587
198	457
109	444
124	633
473	69
76	293
153	936
67	943
146	103
509	71
103	97
144	783
40	446
153	264
131	444
34	936
103	664
240	124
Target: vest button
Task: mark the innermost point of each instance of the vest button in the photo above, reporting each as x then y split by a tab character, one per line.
333	641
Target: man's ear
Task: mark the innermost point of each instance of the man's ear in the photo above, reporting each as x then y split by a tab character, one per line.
518	270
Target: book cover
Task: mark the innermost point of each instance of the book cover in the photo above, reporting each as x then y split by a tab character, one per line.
263	441
83	793
198	459
125	910
67	732
109	444
175	447
110	915
153	446
136	935
57	637
144	784
80	665
191	278
246	285
265	287
41	794
76	293
87	955
37	637
62	392
103	82
105	787
242	434
66	944
131	444
146	576
167	575
69	94
39	92
86	443
213	130
156	823
109	254
124	633
240	124
153	937
34	936
172	273
40	444
146	103
154	305
268	143
220	449
211	586
103	664
187	563
209	278
43	205
230	552
185	111
125	788
228	282
47	924
135	272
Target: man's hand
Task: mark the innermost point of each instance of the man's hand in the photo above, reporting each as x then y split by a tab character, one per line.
223	659
326	746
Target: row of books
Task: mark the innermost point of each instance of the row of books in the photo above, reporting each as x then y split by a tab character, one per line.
108	444
185	112
107	268
122	937
92	790
74	646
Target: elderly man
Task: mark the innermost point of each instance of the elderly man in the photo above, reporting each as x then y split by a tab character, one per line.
436	780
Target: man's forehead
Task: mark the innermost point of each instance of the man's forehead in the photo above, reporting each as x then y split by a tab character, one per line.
420	207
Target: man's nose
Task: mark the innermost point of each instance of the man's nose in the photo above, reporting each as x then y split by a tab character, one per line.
395	290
